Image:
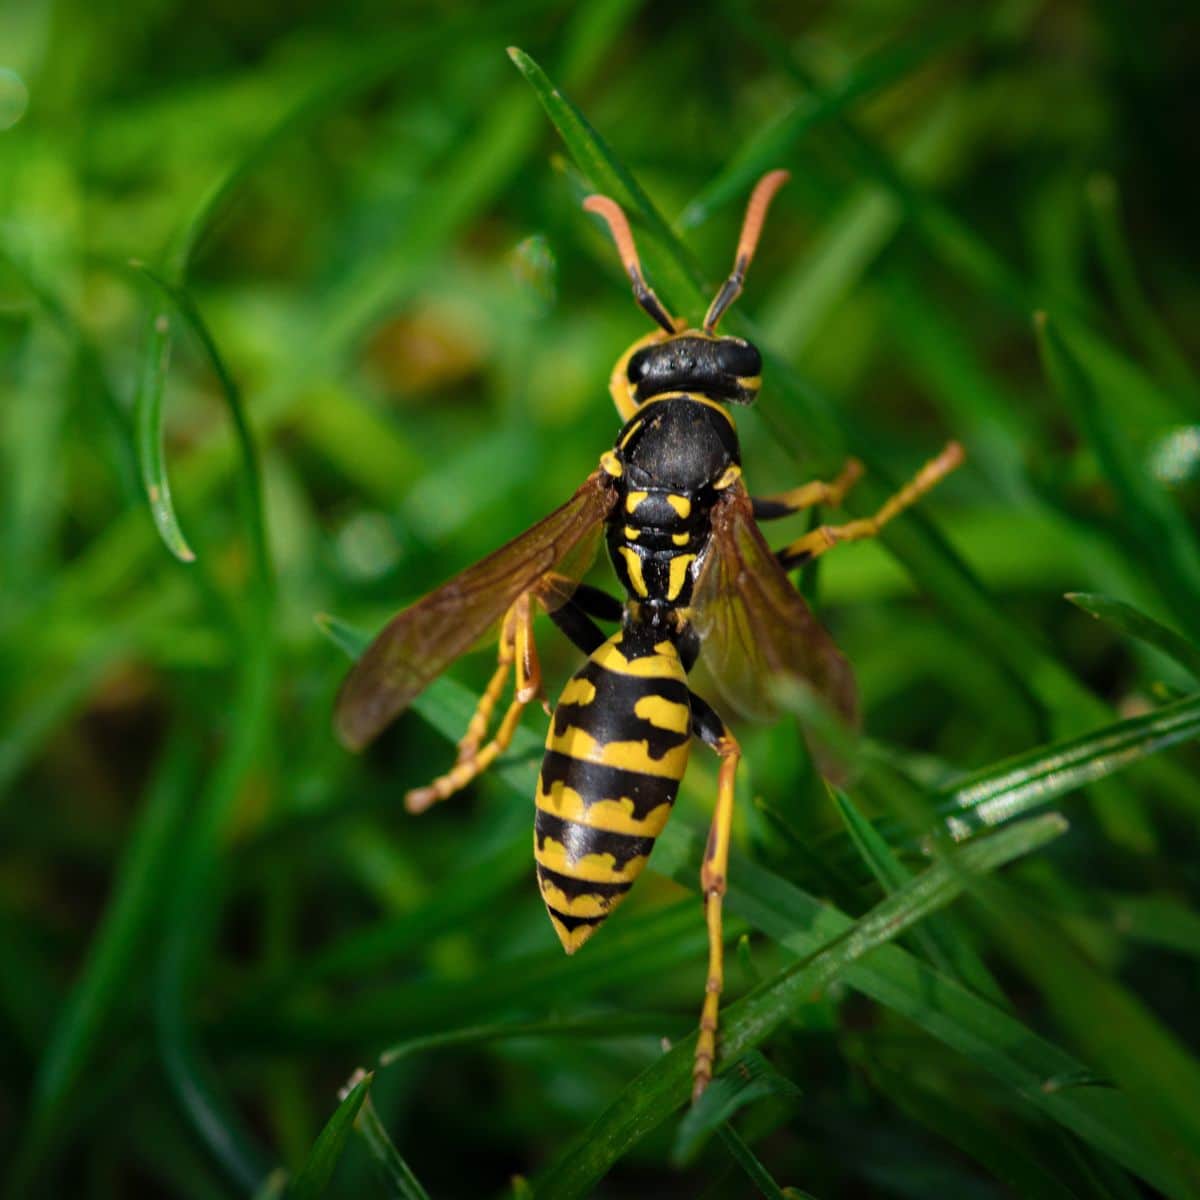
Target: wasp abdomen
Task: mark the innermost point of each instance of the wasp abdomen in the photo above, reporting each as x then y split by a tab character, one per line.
617	749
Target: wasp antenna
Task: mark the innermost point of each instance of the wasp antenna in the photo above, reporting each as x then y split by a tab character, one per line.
610	212
756	214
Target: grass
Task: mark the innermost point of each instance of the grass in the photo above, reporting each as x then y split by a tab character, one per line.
365	338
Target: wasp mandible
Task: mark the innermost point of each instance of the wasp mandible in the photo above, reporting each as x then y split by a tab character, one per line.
699	581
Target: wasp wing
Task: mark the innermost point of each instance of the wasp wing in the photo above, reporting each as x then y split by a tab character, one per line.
417	645
753	624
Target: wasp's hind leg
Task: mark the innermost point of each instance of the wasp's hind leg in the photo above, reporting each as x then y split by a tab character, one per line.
711	730
517	651
770	508
825	537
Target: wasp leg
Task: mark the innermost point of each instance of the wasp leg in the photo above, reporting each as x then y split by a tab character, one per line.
712	731
580	629
597	603
574	616
769	508
481	719
825	537
517	650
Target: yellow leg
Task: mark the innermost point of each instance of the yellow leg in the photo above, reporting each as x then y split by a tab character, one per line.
469	745
712	883
808	494
816	542
517	649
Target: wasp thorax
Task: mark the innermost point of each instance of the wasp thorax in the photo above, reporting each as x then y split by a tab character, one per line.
721	368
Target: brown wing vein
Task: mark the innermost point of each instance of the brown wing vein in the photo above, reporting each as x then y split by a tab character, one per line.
754	625
419	643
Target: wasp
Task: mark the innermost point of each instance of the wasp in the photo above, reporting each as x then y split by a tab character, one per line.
700	582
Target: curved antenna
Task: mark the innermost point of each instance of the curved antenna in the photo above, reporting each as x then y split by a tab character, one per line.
756	214
609	211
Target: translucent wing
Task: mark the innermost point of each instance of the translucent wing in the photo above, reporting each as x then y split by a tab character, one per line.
753	624
417	645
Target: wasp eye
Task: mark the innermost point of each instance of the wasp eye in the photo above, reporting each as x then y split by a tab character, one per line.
636	371
739	358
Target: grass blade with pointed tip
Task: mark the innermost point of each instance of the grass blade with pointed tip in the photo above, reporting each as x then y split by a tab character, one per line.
250	477
1117	260
615	1025
665	259
395	1173
1136	624
148	425
941	943
313	1178
749	1162
749	1079
1026	781
1152	520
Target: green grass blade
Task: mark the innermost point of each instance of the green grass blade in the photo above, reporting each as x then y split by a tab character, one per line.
274	1187
113	950
97	391
663	256
751	1078
250	476
366	70
933	219
939	942
1119	1033
616	1025
1136	624
313	1178
1154	523
1158	920
1029	780
890	874
745	1158
395	1173
148	425
348	638
148	413
988	1140
28	725
663	1087
1117	259
776	143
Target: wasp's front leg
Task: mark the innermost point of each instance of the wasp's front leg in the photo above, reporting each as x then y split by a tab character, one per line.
770	508
825	537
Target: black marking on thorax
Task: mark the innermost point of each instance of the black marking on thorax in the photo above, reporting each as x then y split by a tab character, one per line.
673	450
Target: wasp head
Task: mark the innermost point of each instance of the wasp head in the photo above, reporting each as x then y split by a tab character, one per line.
728	369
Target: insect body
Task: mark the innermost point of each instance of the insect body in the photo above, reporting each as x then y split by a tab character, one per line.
699	579
619	739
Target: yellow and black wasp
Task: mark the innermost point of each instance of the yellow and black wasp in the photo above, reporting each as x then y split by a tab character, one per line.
699	580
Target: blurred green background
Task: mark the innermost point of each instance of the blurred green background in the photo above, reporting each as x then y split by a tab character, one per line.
304	292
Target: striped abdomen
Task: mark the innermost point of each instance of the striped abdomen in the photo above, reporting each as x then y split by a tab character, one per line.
616	751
